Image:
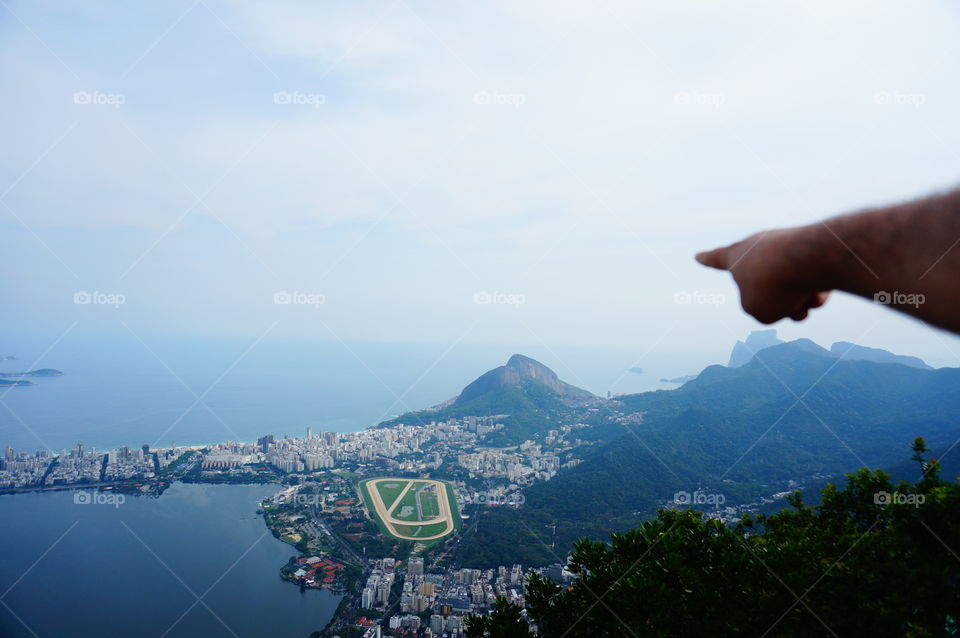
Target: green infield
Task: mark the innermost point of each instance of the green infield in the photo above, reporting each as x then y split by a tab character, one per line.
390	491
412	509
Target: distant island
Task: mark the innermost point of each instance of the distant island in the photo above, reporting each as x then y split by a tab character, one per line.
11	383
636	370
42	372
680	380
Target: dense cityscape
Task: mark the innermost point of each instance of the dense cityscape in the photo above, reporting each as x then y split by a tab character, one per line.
407	448
318	511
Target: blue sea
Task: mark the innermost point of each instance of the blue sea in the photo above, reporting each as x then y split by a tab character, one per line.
124	389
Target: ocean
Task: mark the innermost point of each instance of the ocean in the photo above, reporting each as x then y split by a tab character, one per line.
117	390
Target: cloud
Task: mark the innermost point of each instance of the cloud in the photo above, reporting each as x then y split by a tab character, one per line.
456	147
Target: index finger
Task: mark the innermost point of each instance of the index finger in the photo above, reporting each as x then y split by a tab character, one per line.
716	258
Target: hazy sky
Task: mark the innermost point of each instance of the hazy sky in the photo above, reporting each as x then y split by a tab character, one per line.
388	161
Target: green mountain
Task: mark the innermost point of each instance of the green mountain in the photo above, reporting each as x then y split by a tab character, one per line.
795	412
527	395
523	373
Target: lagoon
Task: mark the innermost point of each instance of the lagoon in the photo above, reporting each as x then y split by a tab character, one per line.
138	568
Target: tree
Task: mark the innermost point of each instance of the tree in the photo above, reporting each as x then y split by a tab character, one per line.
871	559
505	621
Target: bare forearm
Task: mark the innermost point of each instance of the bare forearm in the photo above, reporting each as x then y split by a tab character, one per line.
906	256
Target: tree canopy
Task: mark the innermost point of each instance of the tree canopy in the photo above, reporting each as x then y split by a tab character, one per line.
871	559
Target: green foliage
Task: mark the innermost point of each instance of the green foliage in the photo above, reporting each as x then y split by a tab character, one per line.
504	536
740	432
530	408
851	566
505	621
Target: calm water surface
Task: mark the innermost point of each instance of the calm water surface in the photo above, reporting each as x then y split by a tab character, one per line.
137	569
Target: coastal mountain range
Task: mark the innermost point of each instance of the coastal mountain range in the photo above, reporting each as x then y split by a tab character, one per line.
794	415
744	351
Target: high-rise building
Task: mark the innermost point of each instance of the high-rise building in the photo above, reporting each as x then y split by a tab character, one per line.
264	443
436	623
383	592
8	453
415	567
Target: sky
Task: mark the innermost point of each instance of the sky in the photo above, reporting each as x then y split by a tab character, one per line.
497	172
